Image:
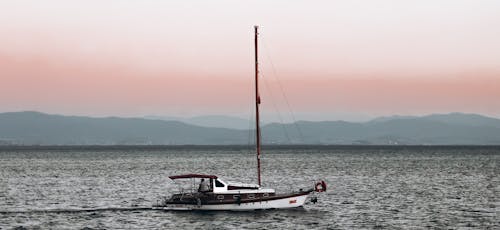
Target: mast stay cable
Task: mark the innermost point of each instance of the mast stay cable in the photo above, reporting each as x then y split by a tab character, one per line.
283	125
301	136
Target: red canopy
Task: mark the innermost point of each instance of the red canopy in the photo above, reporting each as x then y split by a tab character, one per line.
192	176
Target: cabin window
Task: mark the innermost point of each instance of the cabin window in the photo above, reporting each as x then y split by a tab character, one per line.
236	197
220	197
251	196
265	195
218	184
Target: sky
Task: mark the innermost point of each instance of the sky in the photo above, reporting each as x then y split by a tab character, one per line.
320	60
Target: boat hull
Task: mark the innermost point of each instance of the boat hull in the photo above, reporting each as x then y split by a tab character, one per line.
282	203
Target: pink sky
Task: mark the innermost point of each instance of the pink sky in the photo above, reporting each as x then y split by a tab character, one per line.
335	59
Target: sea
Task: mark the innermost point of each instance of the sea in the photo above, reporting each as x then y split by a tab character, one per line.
369	187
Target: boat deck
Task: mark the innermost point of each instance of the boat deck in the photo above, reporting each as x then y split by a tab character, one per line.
232	198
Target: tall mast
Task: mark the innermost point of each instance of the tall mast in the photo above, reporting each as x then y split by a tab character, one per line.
257	102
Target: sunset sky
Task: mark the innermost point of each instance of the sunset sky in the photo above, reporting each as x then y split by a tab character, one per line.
336	59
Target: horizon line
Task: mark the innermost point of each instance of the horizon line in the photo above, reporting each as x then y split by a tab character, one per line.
174	117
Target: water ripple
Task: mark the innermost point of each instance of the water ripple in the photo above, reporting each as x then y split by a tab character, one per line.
369	187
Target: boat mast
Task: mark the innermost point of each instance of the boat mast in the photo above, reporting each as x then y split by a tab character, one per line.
257	102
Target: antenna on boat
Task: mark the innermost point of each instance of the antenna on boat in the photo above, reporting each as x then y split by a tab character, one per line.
257	102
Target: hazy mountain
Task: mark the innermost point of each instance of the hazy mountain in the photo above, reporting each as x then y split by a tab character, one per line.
216	121
436	129
32	128
44	129
395	117
464	119
451	118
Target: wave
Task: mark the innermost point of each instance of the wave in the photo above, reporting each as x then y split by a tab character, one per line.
77	210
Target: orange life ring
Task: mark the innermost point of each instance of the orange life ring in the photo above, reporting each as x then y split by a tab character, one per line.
320	186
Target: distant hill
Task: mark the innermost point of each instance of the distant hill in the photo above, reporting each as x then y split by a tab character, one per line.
33	128
451	118
214	121
464	119
428	130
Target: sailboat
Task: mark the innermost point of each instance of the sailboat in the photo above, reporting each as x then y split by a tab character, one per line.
220	195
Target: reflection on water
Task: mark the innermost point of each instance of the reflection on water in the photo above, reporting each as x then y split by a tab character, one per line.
369	187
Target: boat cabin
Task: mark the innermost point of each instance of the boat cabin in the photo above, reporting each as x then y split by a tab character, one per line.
218	186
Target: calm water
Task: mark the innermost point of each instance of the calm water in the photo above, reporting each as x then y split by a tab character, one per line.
369	187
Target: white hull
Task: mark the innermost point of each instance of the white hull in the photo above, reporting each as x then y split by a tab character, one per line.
289	202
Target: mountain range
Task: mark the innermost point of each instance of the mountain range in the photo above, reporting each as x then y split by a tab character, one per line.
214	121
34	128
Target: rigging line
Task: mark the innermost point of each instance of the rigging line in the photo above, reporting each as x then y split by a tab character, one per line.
283	92
283	126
